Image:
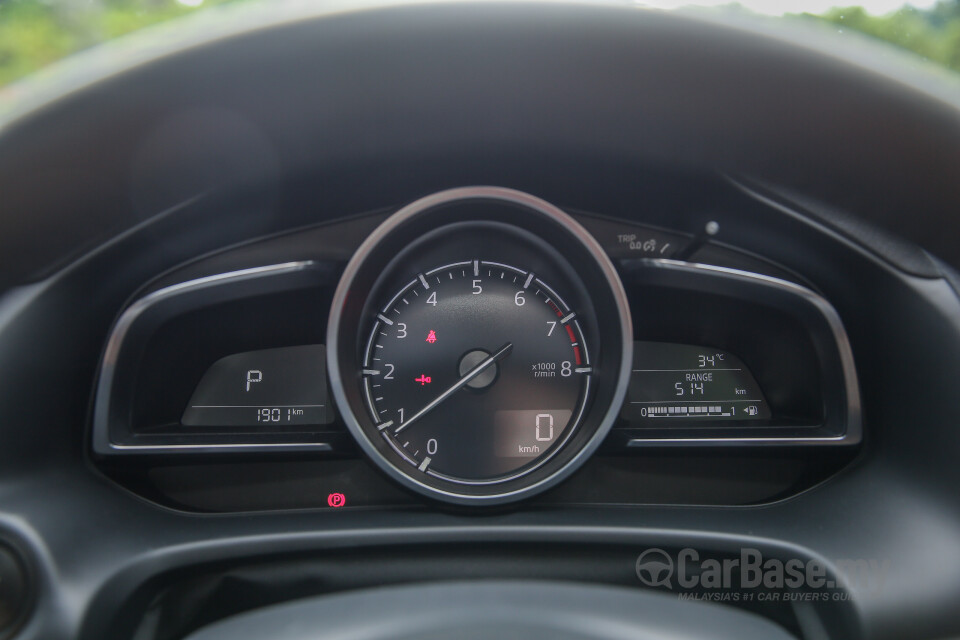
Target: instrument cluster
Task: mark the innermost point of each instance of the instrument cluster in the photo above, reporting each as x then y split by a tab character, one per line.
480	346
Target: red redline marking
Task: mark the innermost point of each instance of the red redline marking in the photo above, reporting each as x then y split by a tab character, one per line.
576	354
570	333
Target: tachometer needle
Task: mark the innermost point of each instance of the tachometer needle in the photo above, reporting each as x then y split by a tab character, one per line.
482	366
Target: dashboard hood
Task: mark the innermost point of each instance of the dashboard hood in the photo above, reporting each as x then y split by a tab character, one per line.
120	134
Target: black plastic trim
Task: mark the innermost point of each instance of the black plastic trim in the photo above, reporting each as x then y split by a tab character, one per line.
840	388
111	432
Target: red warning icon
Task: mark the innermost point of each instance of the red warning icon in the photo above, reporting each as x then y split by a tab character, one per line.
432	336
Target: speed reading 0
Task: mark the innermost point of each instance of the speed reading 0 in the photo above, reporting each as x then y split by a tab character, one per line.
476	371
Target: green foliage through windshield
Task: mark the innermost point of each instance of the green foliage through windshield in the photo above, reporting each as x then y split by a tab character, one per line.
932	33
35	33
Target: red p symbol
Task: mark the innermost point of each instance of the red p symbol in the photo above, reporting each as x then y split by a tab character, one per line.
336	500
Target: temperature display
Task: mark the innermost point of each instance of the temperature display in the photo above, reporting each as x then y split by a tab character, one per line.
690	383
272	387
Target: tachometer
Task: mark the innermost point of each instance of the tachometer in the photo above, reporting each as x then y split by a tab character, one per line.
479	345
476	371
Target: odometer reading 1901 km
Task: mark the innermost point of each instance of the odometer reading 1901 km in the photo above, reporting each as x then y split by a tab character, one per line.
476	372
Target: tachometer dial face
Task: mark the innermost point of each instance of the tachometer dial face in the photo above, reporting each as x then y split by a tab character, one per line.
476	372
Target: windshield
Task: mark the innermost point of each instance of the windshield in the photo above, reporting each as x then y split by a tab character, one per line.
36	33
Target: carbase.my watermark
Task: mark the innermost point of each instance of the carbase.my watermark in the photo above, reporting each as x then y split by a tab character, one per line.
795	577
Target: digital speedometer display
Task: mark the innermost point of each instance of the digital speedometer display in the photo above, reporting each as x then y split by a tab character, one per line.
476	370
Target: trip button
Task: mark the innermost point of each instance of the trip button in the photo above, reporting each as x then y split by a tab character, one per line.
625	240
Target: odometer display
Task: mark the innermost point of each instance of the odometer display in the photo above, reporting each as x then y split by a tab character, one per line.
476	372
